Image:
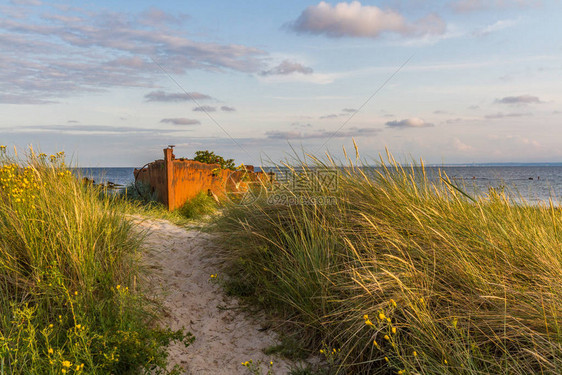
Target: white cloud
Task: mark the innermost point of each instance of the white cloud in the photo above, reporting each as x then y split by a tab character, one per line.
104	50
496	26
84	130
180	121
524	141
412	122
501	115
351	132
460	146
330	117
521	100
154	16
161	96
287	67
357	20
205	108
316	78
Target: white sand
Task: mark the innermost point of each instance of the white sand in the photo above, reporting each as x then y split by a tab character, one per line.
181	262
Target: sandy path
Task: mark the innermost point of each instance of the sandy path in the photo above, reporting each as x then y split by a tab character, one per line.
182	261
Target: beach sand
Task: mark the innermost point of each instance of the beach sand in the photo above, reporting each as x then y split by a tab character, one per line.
181	261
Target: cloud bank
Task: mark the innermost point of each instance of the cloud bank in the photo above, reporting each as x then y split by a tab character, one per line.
109	49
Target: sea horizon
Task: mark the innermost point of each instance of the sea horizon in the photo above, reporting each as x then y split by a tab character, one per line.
535	182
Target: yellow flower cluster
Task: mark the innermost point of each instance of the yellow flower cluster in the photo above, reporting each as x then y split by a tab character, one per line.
18	184
121	289
385	323
334	351
332	355
66	365
55	157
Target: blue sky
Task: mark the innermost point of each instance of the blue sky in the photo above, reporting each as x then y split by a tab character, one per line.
107	82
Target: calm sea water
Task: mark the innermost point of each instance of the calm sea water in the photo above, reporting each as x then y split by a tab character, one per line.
121	176
534	183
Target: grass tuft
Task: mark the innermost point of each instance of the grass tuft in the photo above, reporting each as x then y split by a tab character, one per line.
69	301
400	273
199	206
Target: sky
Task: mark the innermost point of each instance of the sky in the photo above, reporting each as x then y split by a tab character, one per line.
451	81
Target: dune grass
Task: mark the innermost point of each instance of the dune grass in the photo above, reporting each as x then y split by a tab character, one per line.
403	274
138	200
69	301
198	207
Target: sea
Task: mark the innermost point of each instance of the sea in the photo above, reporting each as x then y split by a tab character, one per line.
533	183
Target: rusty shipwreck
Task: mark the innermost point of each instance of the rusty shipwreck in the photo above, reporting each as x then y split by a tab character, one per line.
176	181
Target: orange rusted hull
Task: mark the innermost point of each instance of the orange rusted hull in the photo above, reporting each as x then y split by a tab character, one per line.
176	181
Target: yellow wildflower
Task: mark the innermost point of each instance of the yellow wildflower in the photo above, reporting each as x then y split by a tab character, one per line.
381	316
66	363
386	337
393	330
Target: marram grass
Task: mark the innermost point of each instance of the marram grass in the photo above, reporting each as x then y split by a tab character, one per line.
69	302
403	274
